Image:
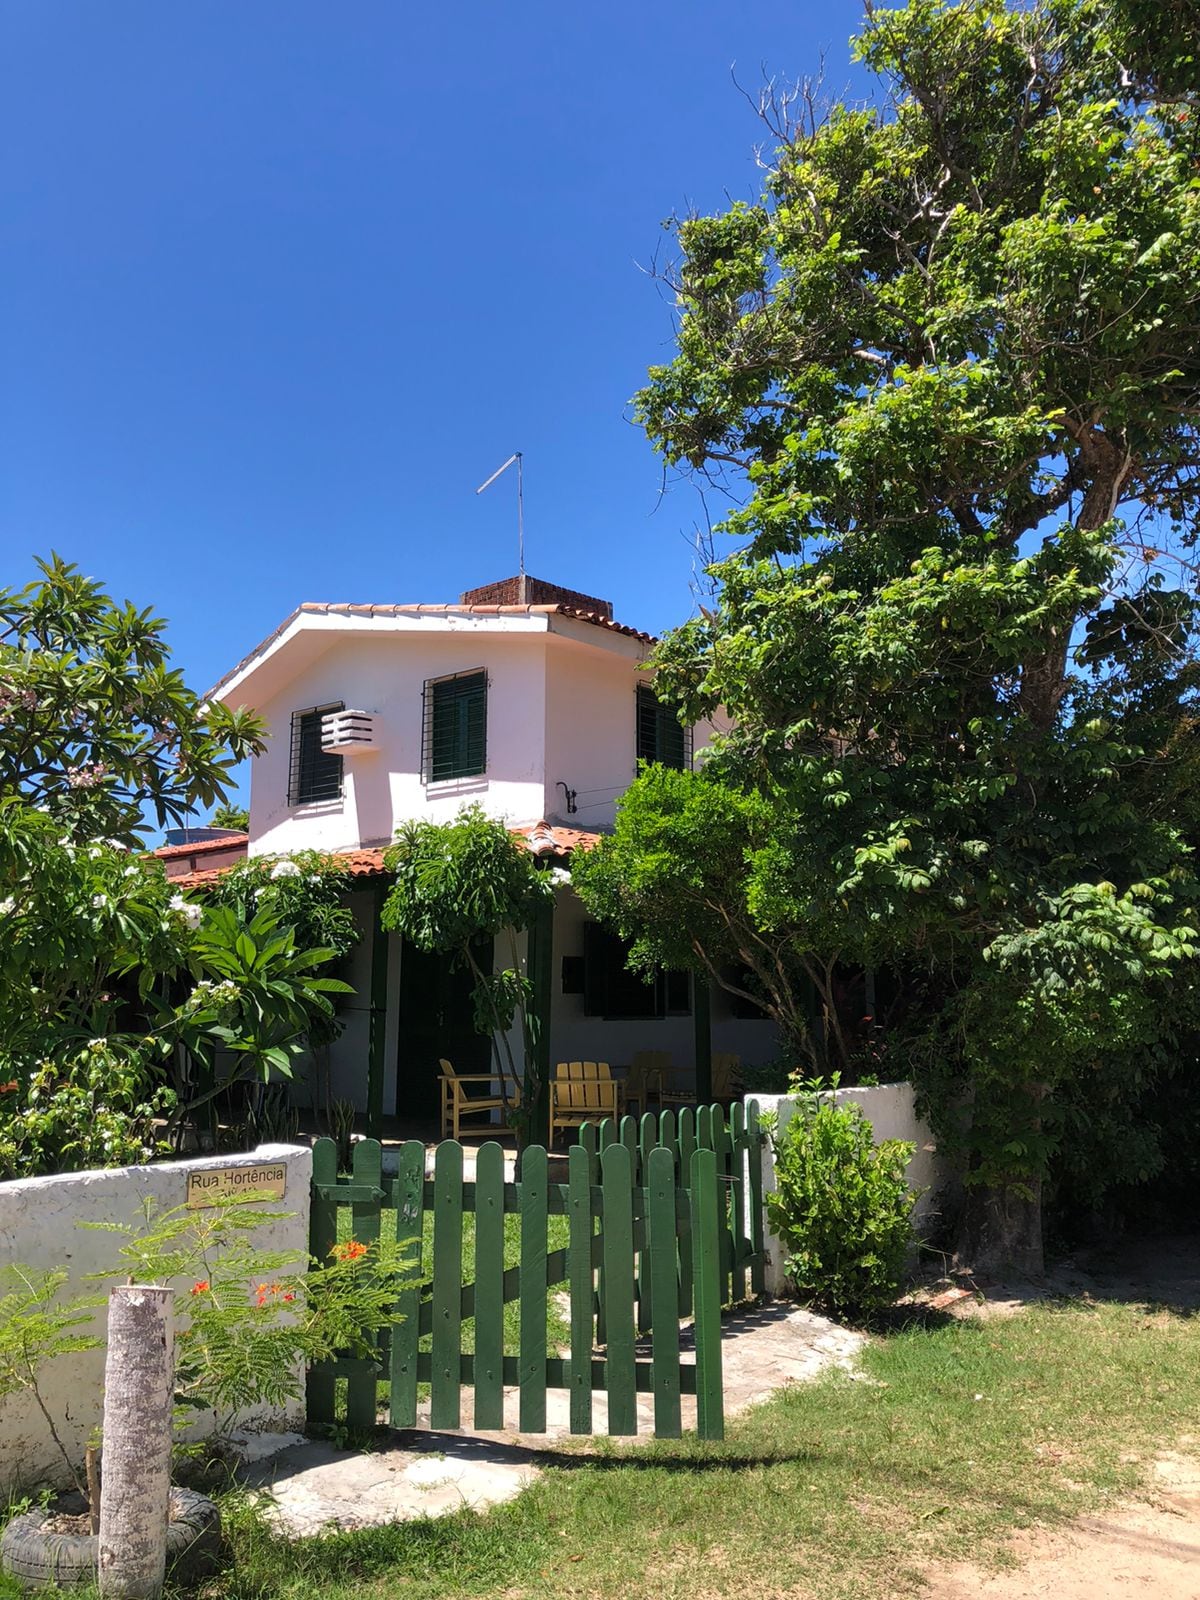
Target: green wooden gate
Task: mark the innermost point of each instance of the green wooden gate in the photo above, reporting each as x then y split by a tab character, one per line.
663	1224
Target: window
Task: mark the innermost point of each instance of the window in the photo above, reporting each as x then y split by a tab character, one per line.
454	735
661	736
314	775
611	990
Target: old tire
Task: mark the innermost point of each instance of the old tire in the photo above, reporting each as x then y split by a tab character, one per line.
38	1560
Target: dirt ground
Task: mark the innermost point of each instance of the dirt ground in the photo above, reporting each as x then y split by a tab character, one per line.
1142	1548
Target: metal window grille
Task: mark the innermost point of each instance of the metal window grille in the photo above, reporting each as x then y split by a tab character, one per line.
314	774
661	736
454	727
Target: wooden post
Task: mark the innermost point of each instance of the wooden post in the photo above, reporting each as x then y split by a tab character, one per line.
540	957
139	1382
378	1030
702	1024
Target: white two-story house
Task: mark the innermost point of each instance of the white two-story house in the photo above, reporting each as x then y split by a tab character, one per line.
526	698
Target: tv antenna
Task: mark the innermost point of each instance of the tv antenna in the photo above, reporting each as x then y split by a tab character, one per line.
516	456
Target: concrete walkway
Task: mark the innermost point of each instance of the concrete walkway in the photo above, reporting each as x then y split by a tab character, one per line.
315	1487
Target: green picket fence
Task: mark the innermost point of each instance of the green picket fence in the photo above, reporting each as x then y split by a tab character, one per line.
658	1230
736	1142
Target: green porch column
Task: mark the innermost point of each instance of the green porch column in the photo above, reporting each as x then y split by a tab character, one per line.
378	1027
702	1023
540	958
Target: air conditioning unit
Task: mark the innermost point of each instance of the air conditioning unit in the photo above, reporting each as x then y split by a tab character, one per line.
348	733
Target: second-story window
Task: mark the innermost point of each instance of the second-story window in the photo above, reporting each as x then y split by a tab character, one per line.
314	774
661	736
454	742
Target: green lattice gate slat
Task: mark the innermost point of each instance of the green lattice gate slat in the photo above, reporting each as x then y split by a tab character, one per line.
489	1286
618	1294
366	1176
445	1398
409	1199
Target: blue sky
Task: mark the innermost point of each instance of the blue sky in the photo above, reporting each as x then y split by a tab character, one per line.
281	284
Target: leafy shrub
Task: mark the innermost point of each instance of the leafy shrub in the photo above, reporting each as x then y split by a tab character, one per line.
842	1207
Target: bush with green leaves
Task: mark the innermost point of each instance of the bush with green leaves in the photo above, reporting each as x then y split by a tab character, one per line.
114	988
248	1321
842	1207
461	882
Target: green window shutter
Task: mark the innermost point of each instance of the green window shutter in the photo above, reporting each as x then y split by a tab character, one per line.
455	733
314	774
647	723
661	736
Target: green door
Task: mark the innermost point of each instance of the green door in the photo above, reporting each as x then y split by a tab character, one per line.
436	1019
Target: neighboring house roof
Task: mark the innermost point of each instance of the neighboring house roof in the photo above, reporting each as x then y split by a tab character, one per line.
426	612
204	855
543	839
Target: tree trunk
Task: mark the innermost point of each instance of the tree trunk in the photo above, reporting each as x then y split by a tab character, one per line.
139	1381
1000	1233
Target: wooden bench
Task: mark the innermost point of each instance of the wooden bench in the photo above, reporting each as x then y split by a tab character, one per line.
581	1091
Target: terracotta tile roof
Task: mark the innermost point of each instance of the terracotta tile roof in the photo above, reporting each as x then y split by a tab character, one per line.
231	841
558	609
543	838
346	609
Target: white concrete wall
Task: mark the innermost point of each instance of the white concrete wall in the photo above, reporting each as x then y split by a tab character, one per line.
591	730
385	673
39	1228
576	1036
890	1108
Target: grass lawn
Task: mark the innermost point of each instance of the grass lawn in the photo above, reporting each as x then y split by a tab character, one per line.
949	1440
558	1331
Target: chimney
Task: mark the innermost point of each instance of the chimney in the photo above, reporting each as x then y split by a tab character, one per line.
527	591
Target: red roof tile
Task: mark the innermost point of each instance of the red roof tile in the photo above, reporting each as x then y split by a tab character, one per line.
168	852
346	609
543	838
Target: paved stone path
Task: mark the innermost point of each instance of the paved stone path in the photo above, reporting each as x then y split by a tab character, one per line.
313	1486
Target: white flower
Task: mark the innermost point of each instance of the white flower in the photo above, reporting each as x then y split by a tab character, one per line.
99	901
191	914
285	869
7	906
559	876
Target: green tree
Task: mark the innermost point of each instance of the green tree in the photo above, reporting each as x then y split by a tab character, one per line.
230	816
949	365
461	882
96	726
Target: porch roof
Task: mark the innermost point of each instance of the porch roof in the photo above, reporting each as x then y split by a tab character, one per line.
543	839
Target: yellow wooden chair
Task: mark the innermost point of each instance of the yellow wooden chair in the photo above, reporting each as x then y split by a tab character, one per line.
458	1103
646	1079
581	1091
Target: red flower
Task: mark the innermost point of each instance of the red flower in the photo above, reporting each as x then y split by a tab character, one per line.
9	1088
289	1297
350	1251
201	1287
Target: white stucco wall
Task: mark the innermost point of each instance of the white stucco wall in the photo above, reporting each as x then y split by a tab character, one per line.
575	1036
39	1228
385	673
891	1110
